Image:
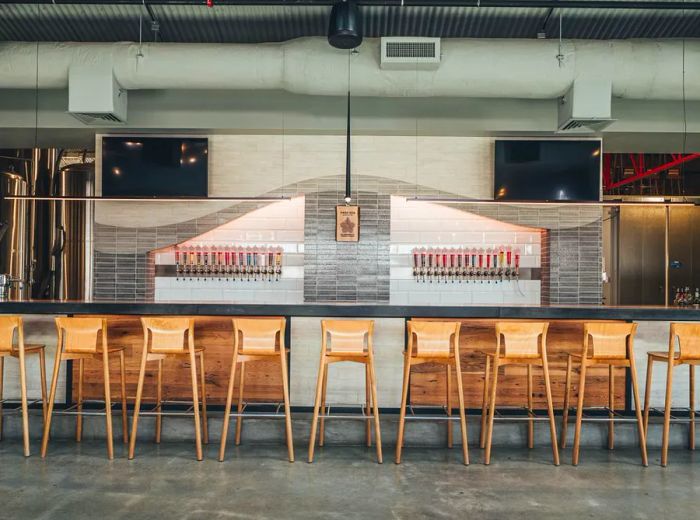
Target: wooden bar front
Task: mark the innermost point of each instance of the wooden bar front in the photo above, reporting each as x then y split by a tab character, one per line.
264	381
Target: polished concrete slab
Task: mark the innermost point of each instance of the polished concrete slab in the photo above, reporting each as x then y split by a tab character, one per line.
76	481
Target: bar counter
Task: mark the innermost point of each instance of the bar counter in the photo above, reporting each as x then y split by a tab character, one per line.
355	310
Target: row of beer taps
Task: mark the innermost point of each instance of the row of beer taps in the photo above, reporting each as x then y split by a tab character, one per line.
490	265
244	263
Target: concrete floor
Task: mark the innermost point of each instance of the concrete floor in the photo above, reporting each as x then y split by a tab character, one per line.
77	481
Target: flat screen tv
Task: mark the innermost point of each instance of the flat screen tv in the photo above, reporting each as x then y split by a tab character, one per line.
140	166
543	170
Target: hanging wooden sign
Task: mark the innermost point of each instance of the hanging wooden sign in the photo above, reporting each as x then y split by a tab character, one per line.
347	223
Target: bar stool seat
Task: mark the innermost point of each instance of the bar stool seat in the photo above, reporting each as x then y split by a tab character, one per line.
80	339
434	342
256	339
687	335
346	340
163	338
517	343
11	326
611	345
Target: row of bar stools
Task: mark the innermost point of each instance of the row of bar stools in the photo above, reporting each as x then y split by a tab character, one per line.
81	339
165	338
11	326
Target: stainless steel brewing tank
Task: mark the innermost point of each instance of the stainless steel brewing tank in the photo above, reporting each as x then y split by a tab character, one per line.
74	221
13	213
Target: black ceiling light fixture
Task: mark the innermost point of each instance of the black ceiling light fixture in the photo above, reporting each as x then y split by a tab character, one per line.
345	25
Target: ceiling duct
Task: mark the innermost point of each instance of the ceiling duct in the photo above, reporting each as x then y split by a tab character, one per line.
586	107
345	25
408	53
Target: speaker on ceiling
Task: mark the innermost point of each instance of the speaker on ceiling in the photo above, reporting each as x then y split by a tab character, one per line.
345	25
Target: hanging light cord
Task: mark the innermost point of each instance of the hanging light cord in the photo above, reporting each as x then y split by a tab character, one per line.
348	192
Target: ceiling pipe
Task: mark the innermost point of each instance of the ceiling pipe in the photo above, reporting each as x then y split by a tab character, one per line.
522	4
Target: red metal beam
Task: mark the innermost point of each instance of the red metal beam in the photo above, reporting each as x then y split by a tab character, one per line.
641	174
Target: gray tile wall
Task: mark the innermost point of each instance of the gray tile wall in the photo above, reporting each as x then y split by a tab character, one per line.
346	271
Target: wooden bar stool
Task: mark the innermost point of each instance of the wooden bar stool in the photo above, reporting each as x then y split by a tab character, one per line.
256	340
346	340
9	325
81	339
434	342
518	344
688	337
611	345
163	338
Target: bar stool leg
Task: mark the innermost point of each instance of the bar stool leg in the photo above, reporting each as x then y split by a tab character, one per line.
287	407
492	412
377	431
195	403
579	413
530	423
647	393
667	413
23	391
448	403
368	406
42	375
317	403
322	427
239	409
638	413
108	404
159	400
462	415
2	377
137	404
402	413
565	411
122	377
52	397
611	406
484	405
205	418
550	411
79	416
691	432
227	410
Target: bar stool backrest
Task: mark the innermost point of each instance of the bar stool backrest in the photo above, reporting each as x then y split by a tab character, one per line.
609	340
521	339
433	338
258	335
346	336
688	335
168	335
80	335
8	326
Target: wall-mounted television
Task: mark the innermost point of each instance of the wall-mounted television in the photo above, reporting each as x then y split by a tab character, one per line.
139	166
544	170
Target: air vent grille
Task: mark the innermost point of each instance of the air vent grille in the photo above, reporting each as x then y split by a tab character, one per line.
406	53
97	118
410	49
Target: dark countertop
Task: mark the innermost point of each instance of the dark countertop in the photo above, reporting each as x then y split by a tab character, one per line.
648	313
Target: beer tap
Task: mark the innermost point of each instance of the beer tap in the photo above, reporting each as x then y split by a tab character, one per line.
214	261
480	265
423	263
178	264
517	264
415	255
509	258
494	265
501	259
241	263
431	255
190	261
439	265
459	269
278	263
444	265
205	262
452	265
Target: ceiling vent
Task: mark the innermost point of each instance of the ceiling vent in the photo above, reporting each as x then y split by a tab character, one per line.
407	53
95	97
586	108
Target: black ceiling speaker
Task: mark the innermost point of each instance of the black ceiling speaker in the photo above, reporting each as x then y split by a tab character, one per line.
345	25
